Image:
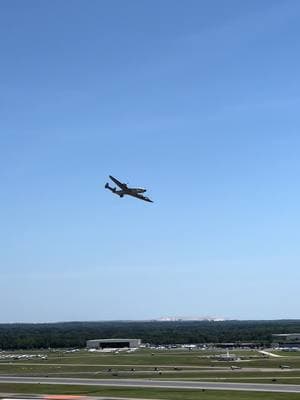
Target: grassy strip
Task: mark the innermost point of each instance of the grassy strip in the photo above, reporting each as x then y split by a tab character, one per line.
163	394
287	353
211	377
97	372
152	358
160	360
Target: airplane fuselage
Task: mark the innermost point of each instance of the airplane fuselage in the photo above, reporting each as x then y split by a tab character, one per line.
137	190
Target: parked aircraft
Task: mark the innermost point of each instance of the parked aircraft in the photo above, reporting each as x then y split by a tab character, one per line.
125	190
284	367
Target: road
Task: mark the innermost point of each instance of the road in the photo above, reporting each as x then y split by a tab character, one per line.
259	387
267	353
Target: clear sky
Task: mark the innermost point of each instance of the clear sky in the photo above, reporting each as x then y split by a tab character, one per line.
199	102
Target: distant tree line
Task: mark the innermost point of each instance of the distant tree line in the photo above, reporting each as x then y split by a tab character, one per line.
75	334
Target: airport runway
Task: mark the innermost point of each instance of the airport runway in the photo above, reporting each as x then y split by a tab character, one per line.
258	387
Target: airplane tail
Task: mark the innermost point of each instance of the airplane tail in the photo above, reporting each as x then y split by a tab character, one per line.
112	189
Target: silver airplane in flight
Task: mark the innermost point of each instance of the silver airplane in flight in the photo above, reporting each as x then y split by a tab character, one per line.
125	190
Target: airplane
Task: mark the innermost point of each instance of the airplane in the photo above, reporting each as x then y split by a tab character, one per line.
125	190
284	367
233	367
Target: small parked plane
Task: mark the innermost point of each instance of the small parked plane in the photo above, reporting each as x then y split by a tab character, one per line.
125	190
284	367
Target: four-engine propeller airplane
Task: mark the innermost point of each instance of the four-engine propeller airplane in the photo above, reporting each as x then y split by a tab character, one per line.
125	190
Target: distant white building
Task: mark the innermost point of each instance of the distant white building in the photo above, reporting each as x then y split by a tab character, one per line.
113	343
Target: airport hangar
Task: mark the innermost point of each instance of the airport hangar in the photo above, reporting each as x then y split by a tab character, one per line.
113	343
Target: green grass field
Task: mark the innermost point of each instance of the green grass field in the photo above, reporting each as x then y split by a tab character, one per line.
287	353
166	358
125	372
140	393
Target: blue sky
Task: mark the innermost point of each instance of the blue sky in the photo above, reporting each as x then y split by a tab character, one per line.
199	102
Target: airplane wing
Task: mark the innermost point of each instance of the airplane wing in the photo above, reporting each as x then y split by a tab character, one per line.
121	185
141	197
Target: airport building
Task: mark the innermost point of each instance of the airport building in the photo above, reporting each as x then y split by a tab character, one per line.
113	343
286	339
